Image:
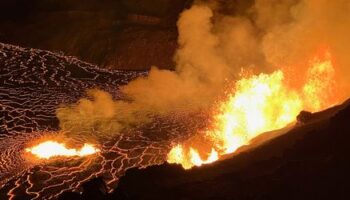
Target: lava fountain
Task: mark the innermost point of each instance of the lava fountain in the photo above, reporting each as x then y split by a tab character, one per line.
255	105
49	149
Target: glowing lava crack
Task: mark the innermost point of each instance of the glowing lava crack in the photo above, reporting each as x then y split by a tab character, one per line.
50	149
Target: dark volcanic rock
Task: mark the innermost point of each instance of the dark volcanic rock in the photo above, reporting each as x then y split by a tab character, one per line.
94	189
309	162
126	34
304	117
70	196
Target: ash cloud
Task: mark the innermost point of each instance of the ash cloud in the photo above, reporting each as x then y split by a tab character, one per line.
217	46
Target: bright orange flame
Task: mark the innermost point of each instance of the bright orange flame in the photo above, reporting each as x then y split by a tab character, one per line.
259	104
50	149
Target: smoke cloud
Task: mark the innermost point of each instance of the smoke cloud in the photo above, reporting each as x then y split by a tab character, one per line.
216	47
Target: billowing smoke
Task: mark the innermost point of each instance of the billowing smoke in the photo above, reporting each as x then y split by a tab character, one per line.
217	46
295	30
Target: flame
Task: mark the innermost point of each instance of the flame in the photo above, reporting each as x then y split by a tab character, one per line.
258	104
51	148
320	87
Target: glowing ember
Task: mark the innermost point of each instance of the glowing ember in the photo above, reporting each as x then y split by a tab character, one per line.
50	149
259	104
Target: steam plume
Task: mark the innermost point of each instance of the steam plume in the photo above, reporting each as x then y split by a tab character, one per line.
215	46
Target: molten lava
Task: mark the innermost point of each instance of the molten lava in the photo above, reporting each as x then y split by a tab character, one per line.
256	105
50	149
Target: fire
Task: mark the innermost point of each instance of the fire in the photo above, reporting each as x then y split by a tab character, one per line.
258	104
50	149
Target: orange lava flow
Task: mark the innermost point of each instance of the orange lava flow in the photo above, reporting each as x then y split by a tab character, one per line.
258	104
51	148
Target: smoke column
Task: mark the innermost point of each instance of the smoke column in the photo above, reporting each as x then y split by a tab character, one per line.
219	42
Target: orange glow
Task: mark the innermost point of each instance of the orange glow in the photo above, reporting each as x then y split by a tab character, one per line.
258	104
50	149
319	89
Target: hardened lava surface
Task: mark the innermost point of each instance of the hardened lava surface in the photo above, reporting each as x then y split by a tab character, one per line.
33	83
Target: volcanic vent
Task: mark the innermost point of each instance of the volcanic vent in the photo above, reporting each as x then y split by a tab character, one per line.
239	73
